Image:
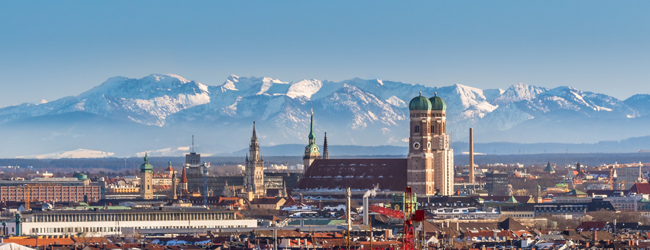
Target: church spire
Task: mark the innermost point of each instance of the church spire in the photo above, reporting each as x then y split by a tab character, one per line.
254	134
326	153
254	149
312	136
312	151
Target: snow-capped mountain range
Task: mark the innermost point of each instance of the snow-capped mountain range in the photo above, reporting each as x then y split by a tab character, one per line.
125	115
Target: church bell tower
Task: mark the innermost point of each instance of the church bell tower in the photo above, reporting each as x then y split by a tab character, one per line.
312	152
420	172
146	179
430	163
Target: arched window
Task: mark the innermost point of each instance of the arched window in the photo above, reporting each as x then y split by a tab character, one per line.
433	129
416	129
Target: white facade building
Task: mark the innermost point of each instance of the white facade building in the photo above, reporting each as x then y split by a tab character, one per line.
112	222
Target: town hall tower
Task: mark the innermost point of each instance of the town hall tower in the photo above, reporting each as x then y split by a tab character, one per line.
255	168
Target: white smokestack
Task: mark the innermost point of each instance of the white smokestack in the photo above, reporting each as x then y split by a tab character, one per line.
365	210
366	206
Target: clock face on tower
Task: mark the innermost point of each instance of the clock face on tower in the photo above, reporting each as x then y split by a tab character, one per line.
416	145
428	145
315	149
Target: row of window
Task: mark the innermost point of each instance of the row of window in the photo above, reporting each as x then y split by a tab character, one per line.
134	217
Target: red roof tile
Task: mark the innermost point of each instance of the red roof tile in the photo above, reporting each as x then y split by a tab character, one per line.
183	177
640	188
389	174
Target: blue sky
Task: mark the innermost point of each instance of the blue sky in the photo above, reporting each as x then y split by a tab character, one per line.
53	49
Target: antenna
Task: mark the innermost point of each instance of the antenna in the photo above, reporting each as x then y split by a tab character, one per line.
192	144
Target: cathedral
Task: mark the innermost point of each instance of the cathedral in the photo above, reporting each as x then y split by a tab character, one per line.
428	168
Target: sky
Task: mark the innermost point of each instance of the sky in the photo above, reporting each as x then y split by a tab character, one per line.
53	49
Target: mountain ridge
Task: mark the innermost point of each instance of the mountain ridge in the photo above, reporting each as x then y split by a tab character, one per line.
355	111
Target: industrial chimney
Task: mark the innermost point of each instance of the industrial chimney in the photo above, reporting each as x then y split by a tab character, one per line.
471	155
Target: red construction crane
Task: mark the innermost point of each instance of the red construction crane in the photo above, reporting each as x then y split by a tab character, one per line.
408	236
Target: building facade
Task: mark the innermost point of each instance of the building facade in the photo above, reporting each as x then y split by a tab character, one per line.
496	183
113	222
50	192
255	168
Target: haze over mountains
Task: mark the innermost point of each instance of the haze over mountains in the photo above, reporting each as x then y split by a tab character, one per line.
159	113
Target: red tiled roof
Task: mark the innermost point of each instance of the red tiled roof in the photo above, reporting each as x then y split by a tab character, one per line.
389	174
489	233
640	188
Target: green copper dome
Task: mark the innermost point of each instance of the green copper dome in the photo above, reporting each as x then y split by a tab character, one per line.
80	176
420	103
437	103
146	167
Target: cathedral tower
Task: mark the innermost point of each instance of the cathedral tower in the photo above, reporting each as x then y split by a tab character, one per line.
255	167
430	163
146	179
420	172
312	152
443	154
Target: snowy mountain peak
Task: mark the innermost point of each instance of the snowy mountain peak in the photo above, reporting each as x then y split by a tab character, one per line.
304	88
166	78
519	92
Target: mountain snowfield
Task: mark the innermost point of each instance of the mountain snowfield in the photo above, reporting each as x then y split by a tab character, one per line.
160	112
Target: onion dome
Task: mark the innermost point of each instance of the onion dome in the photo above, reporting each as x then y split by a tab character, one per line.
146	167
420	103
437	102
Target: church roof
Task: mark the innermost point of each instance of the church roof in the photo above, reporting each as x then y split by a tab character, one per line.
511	224
420	103
549	168
361	174
640	188
146	167
437	103
183	177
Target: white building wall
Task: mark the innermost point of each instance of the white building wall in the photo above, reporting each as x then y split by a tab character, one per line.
102	228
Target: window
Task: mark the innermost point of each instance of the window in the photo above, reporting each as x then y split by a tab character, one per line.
416	129
433	129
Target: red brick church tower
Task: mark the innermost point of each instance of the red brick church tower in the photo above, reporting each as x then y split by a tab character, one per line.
430	161
420	175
